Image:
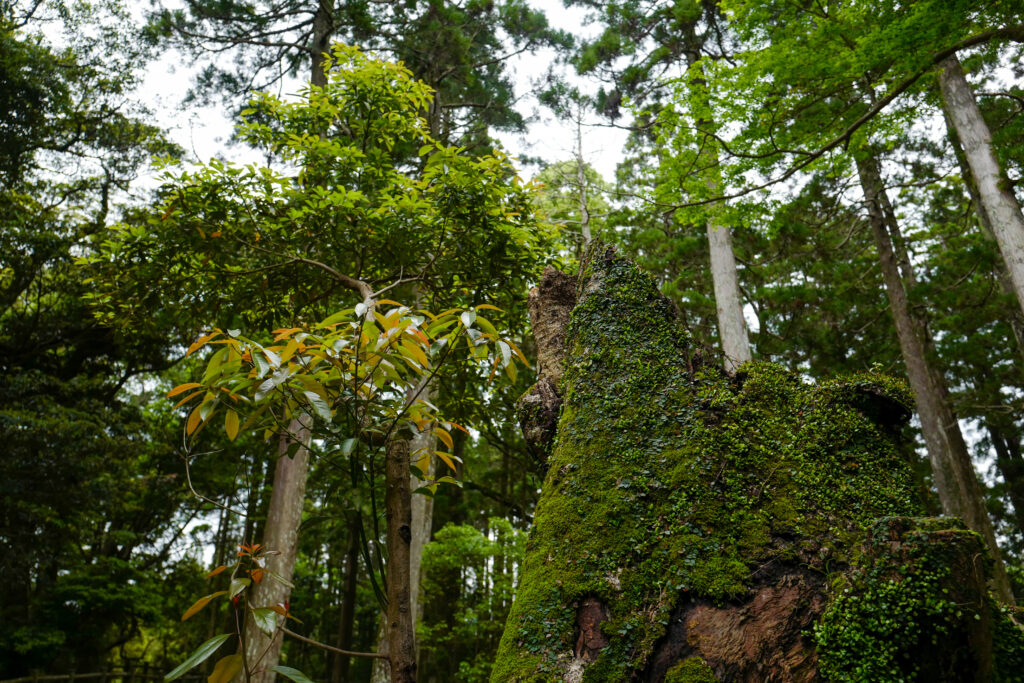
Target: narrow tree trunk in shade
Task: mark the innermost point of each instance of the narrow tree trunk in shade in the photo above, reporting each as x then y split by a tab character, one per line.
398	506
955	478
1016	316
1006	441
732	327
282	535
581	180
422	518
347	614
323	31
996	196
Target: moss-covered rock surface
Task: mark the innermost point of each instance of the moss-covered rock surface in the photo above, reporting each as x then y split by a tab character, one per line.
692	523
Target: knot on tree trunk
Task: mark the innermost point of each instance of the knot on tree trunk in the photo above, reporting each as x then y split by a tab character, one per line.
550	304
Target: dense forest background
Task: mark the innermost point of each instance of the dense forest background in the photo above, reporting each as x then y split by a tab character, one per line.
831	186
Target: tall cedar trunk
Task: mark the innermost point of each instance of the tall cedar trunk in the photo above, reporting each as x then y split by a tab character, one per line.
732	327
323	30
1010	460
422	519
347	615
985	224
957	483
399	624
282	535
996	196
581	180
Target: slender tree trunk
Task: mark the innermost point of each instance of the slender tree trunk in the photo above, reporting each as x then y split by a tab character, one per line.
347	615
732	327
1016	317
323	31
955	478
398	504
282	534
422	519
581	179
996	196
1010	460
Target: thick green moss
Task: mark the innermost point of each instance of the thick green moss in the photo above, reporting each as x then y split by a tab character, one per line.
916	608
691	670
671	480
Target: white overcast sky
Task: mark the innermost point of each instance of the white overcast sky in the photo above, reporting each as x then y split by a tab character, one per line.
204	131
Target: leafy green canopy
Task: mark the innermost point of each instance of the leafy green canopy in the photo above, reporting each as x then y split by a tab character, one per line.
461	49
85	511
354	188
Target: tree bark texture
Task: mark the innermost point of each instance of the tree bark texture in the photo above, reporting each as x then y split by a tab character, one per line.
732	327
996	196
323	32
955	478
347	613
985	224
697	525
399	624
422	514
282	535
550	304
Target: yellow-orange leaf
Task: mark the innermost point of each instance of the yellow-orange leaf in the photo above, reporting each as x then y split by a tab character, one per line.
199	343
285	332
200	604
459	427
216	571
188	398
447	459
226	669
193	420
231	424
181	388
445	437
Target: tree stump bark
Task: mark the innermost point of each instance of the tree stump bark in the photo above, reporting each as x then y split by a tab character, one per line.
700	526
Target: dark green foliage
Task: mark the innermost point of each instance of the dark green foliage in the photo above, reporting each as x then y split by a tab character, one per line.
467	592
919	613
671	481
89	486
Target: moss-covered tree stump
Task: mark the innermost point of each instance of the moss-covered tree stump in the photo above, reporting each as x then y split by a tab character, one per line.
697	526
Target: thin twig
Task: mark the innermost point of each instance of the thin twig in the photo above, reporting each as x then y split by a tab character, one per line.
331	648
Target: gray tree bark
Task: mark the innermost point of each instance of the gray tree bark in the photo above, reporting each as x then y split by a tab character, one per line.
985	223
996	197
282	535
732	327
955	478
399	618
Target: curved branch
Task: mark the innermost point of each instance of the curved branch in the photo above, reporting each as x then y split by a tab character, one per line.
331	648
1014	33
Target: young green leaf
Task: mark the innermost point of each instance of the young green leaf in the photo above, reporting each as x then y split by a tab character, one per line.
291	674
265	620
201	654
